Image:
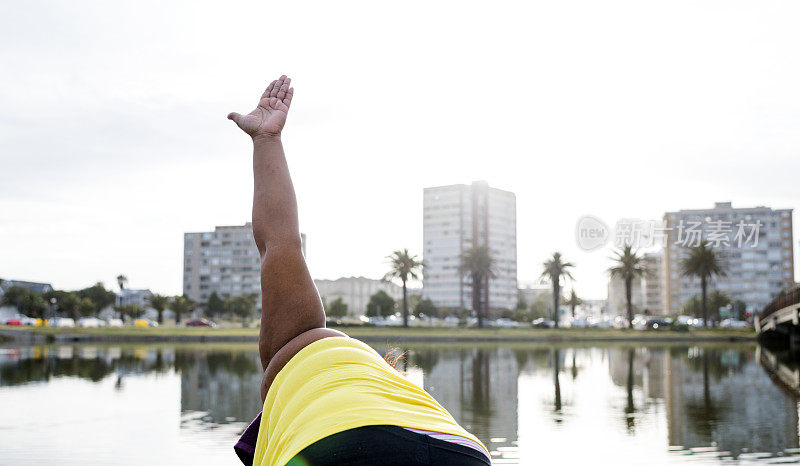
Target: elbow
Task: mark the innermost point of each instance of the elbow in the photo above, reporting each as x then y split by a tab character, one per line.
289	242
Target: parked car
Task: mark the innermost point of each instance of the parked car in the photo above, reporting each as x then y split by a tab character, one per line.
115	323
502	322
686	320
200	323
601	323
658	323
579	322
21	319
61	322
91	322
543	323
145	323
733	323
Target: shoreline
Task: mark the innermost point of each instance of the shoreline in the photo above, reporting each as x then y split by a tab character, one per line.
376	335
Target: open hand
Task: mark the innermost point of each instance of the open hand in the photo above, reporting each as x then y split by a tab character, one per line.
270	115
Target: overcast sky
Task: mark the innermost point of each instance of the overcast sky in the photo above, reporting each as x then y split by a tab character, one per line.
113	137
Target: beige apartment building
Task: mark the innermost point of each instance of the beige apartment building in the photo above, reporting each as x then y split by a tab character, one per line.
225	261
755	244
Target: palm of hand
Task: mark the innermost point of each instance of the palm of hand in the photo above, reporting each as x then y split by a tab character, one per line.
269	116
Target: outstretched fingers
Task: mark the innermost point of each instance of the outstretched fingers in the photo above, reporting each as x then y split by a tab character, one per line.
288	99
269	89
284	89
277	86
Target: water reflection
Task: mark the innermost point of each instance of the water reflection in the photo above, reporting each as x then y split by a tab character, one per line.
534	402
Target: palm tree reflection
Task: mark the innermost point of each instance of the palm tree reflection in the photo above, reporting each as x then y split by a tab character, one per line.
630	419
556	363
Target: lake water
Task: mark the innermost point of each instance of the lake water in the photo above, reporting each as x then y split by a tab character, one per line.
530	404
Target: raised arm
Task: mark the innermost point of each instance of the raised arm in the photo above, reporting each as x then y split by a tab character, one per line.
292	313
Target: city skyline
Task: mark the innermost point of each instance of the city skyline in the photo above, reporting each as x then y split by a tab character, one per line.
602	110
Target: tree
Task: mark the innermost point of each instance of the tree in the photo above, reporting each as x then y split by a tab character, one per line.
426	307
573	301
243	306
181	305
403	266
739	308
121	310
380	305
86	307
159	302
34	305
99	295
628	266
716	300
413	301
692	307
122	280
337	308
215	305
134	310
555	268
478	264
538	308
71	304
702	262
15	296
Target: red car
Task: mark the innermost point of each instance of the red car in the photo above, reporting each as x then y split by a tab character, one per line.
200	323
14	322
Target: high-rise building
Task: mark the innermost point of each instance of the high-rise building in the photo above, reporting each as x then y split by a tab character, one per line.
654	283
456	218
755	245
225	260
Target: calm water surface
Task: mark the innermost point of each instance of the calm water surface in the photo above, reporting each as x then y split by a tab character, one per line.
530	404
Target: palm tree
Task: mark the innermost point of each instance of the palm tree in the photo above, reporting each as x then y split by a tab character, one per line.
629	265
180	305
573	301
478	264
122	280
159	302
554	269
702	262
404	266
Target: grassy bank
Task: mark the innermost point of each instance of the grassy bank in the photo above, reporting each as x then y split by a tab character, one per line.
414	334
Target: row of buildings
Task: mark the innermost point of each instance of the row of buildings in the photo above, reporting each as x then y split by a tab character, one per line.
455	218
758	264
755	245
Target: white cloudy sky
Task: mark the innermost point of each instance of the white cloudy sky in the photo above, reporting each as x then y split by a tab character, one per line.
113	138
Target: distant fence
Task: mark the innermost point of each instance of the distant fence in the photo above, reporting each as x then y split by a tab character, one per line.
789	298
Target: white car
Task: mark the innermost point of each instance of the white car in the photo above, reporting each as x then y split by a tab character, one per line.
604	323
686	320
579	323
115	323
502	322
62	322
91	322
733	323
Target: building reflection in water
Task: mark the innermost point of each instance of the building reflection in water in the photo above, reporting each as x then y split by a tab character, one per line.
728	401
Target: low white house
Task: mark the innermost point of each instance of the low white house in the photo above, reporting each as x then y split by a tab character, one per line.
356	291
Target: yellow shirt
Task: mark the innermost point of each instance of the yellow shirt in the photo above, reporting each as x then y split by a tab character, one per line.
335	384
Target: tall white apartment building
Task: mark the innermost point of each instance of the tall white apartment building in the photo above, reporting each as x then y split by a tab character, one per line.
755	244
456	218
225	260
